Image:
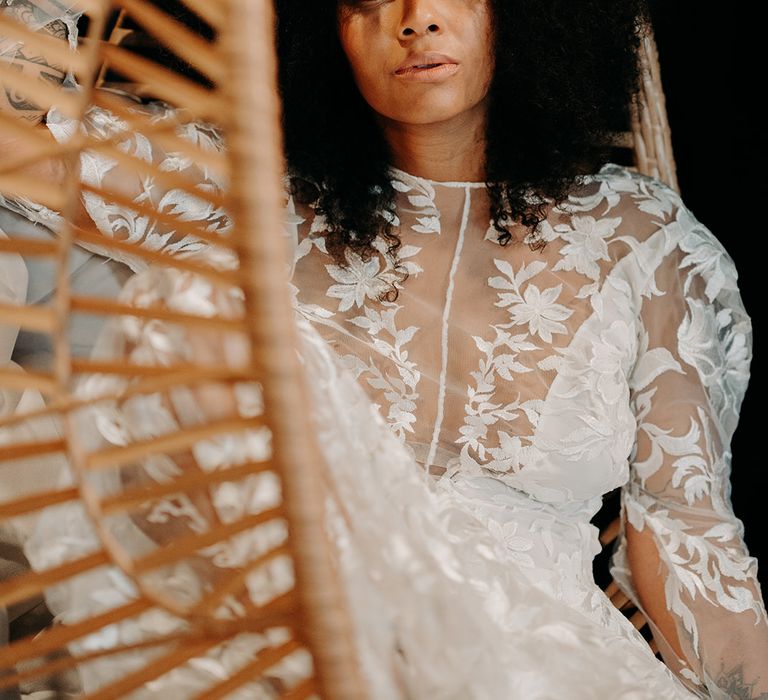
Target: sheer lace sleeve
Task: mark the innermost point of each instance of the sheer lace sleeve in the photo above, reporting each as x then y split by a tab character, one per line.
130	137
116	178
681	556
57	18
112	183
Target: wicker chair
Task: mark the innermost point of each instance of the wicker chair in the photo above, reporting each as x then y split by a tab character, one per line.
315	614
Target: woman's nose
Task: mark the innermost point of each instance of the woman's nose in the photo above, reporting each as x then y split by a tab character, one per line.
420	17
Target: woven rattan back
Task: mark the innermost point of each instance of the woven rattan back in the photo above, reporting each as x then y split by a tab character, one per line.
651	137
240	65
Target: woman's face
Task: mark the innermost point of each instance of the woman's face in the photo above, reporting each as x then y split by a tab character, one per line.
379	35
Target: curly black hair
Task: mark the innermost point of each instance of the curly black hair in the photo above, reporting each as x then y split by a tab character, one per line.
565	76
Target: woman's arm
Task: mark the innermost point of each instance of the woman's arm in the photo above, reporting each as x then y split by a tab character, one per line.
23	134
47	18
681	555
148	154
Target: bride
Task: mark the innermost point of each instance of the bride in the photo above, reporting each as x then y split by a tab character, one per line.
501	389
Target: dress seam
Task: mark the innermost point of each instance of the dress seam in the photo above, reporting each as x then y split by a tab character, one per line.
444	330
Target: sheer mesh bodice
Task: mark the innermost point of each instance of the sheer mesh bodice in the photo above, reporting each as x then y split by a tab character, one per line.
462	364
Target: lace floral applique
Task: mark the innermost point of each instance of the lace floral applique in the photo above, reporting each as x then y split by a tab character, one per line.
586	243
540	313
360	286
401	390
424	201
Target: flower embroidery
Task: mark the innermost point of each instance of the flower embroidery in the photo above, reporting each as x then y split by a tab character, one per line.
399	391
533	307
423	200
359	281
541	313
607	364
587	243
517	545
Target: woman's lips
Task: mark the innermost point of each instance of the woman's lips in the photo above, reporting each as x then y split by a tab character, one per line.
429	74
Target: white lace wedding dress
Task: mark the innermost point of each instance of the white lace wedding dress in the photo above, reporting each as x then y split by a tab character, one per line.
534	382
473	426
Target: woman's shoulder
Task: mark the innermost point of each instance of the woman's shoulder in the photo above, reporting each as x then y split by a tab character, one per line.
660	230
647	193
651	211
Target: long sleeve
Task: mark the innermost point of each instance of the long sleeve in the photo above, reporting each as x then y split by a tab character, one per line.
192	178
191	153
196	197
197	201
686	390
52	17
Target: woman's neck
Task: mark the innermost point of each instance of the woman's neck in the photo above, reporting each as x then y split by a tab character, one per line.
451	150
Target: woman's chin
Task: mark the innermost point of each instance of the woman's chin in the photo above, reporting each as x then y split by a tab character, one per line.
426	112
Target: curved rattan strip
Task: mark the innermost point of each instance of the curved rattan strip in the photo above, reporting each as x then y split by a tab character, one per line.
41	319
35	448
164	133
31	584
53	49
92	61
28	248
255	142
128	499
650	124
36	502
246	674
214	12
106	307
206	607
179	226
16	380
116	34
40	191
161	133
154	669
57	637
168	31
59	663
155	382
301	691
171	180
188	544
164	83
40	93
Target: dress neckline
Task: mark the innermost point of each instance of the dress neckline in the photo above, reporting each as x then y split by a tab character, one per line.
403	175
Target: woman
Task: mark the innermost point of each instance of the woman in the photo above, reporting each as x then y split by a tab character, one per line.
522	366
613	351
